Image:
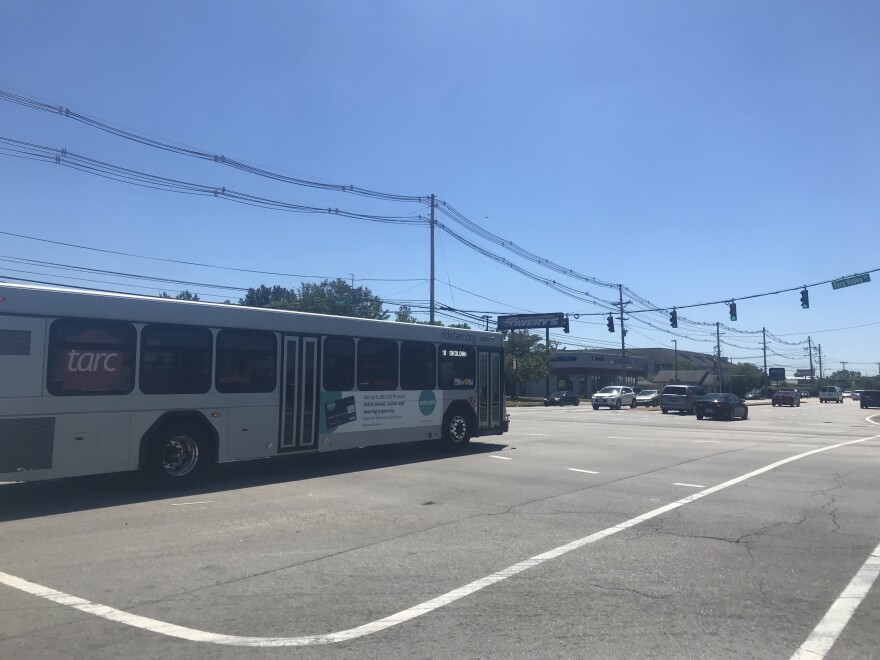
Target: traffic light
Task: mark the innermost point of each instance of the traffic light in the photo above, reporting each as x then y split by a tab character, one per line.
805	298
565	323
733	311
610	323
673	318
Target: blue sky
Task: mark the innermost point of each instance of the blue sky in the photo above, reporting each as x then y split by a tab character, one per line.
691	151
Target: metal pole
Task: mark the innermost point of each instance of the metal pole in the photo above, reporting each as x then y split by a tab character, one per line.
547	344
764	333
718	347
821	375
675	341
622	340
432	261
812	375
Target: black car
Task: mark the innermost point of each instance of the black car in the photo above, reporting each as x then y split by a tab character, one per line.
721	406
561	399
870	399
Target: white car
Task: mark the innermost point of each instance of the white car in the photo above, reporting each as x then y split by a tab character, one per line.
614	396
830	393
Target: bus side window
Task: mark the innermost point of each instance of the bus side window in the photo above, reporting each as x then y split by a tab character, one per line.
175	359
338	364
377	364
246	361
418	365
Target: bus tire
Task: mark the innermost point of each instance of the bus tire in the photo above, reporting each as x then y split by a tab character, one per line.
458	426
177	455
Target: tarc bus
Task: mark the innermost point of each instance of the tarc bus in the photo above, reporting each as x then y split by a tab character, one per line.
96	382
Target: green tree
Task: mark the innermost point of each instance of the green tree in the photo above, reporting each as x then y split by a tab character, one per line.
404	315
336	297
183	295
743	377
529	354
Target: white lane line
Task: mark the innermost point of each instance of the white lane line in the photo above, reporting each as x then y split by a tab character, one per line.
618	437
800	445
540	435
181	632
716	442
190	503
689	485
838	615
584	471
503	458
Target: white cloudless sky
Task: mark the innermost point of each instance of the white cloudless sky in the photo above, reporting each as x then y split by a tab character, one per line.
691	151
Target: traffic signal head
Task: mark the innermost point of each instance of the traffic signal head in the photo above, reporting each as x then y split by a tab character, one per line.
610	323
565	323
805	299
673	318
733	311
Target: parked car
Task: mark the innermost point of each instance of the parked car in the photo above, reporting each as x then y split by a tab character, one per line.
681	398
721	406
614	396
648	398
561	399
786	398
870	399
830	393
804	394
753	394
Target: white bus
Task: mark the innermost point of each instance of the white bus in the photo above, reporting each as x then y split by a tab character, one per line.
95	382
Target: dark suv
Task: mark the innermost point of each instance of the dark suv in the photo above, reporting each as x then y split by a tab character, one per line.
870	399
680	397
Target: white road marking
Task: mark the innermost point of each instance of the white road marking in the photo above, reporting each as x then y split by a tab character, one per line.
800	445
540	435
712	441
190	503
503	458
584	471
689	485
191	634
838	615
618	437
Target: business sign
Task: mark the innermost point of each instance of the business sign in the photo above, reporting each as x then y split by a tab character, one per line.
531	321
803	373
777	373
849	281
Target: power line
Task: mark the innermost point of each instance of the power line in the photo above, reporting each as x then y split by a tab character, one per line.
202	155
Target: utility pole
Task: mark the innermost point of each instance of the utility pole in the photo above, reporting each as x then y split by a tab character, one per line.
547	345
764	333
675	341
351	297
432	261
622	337
718	349
812	375
821	374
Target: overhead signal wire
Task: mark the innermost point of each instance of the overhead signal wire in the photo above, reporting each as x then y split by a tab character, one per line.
144	179
202	155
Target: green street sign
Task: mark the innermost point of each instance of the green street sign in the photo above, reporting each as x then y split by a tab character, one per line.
849	281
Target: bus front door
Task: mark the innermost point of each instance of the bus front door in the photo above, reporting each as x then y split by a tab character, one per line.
299	396
490	392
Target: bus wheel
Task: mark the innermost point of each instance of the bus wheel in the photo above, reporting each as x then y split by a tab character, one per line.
457	428
177	455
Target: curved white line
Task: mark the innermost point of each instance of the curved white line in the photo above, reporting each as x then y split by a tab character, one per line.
191	634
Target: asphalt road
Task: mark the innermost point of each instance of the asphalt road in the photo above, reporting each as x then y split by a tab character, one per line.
606	534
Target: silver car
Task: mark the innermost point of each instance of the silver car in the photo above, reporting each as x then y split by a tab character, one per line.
615	397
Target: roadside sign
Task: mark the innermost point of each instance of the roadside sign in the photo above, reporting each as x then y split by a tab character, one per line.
531	321
849	281
777	373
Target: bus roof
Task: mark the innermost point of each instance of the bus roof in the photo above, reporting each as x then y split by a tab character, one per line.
51	302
